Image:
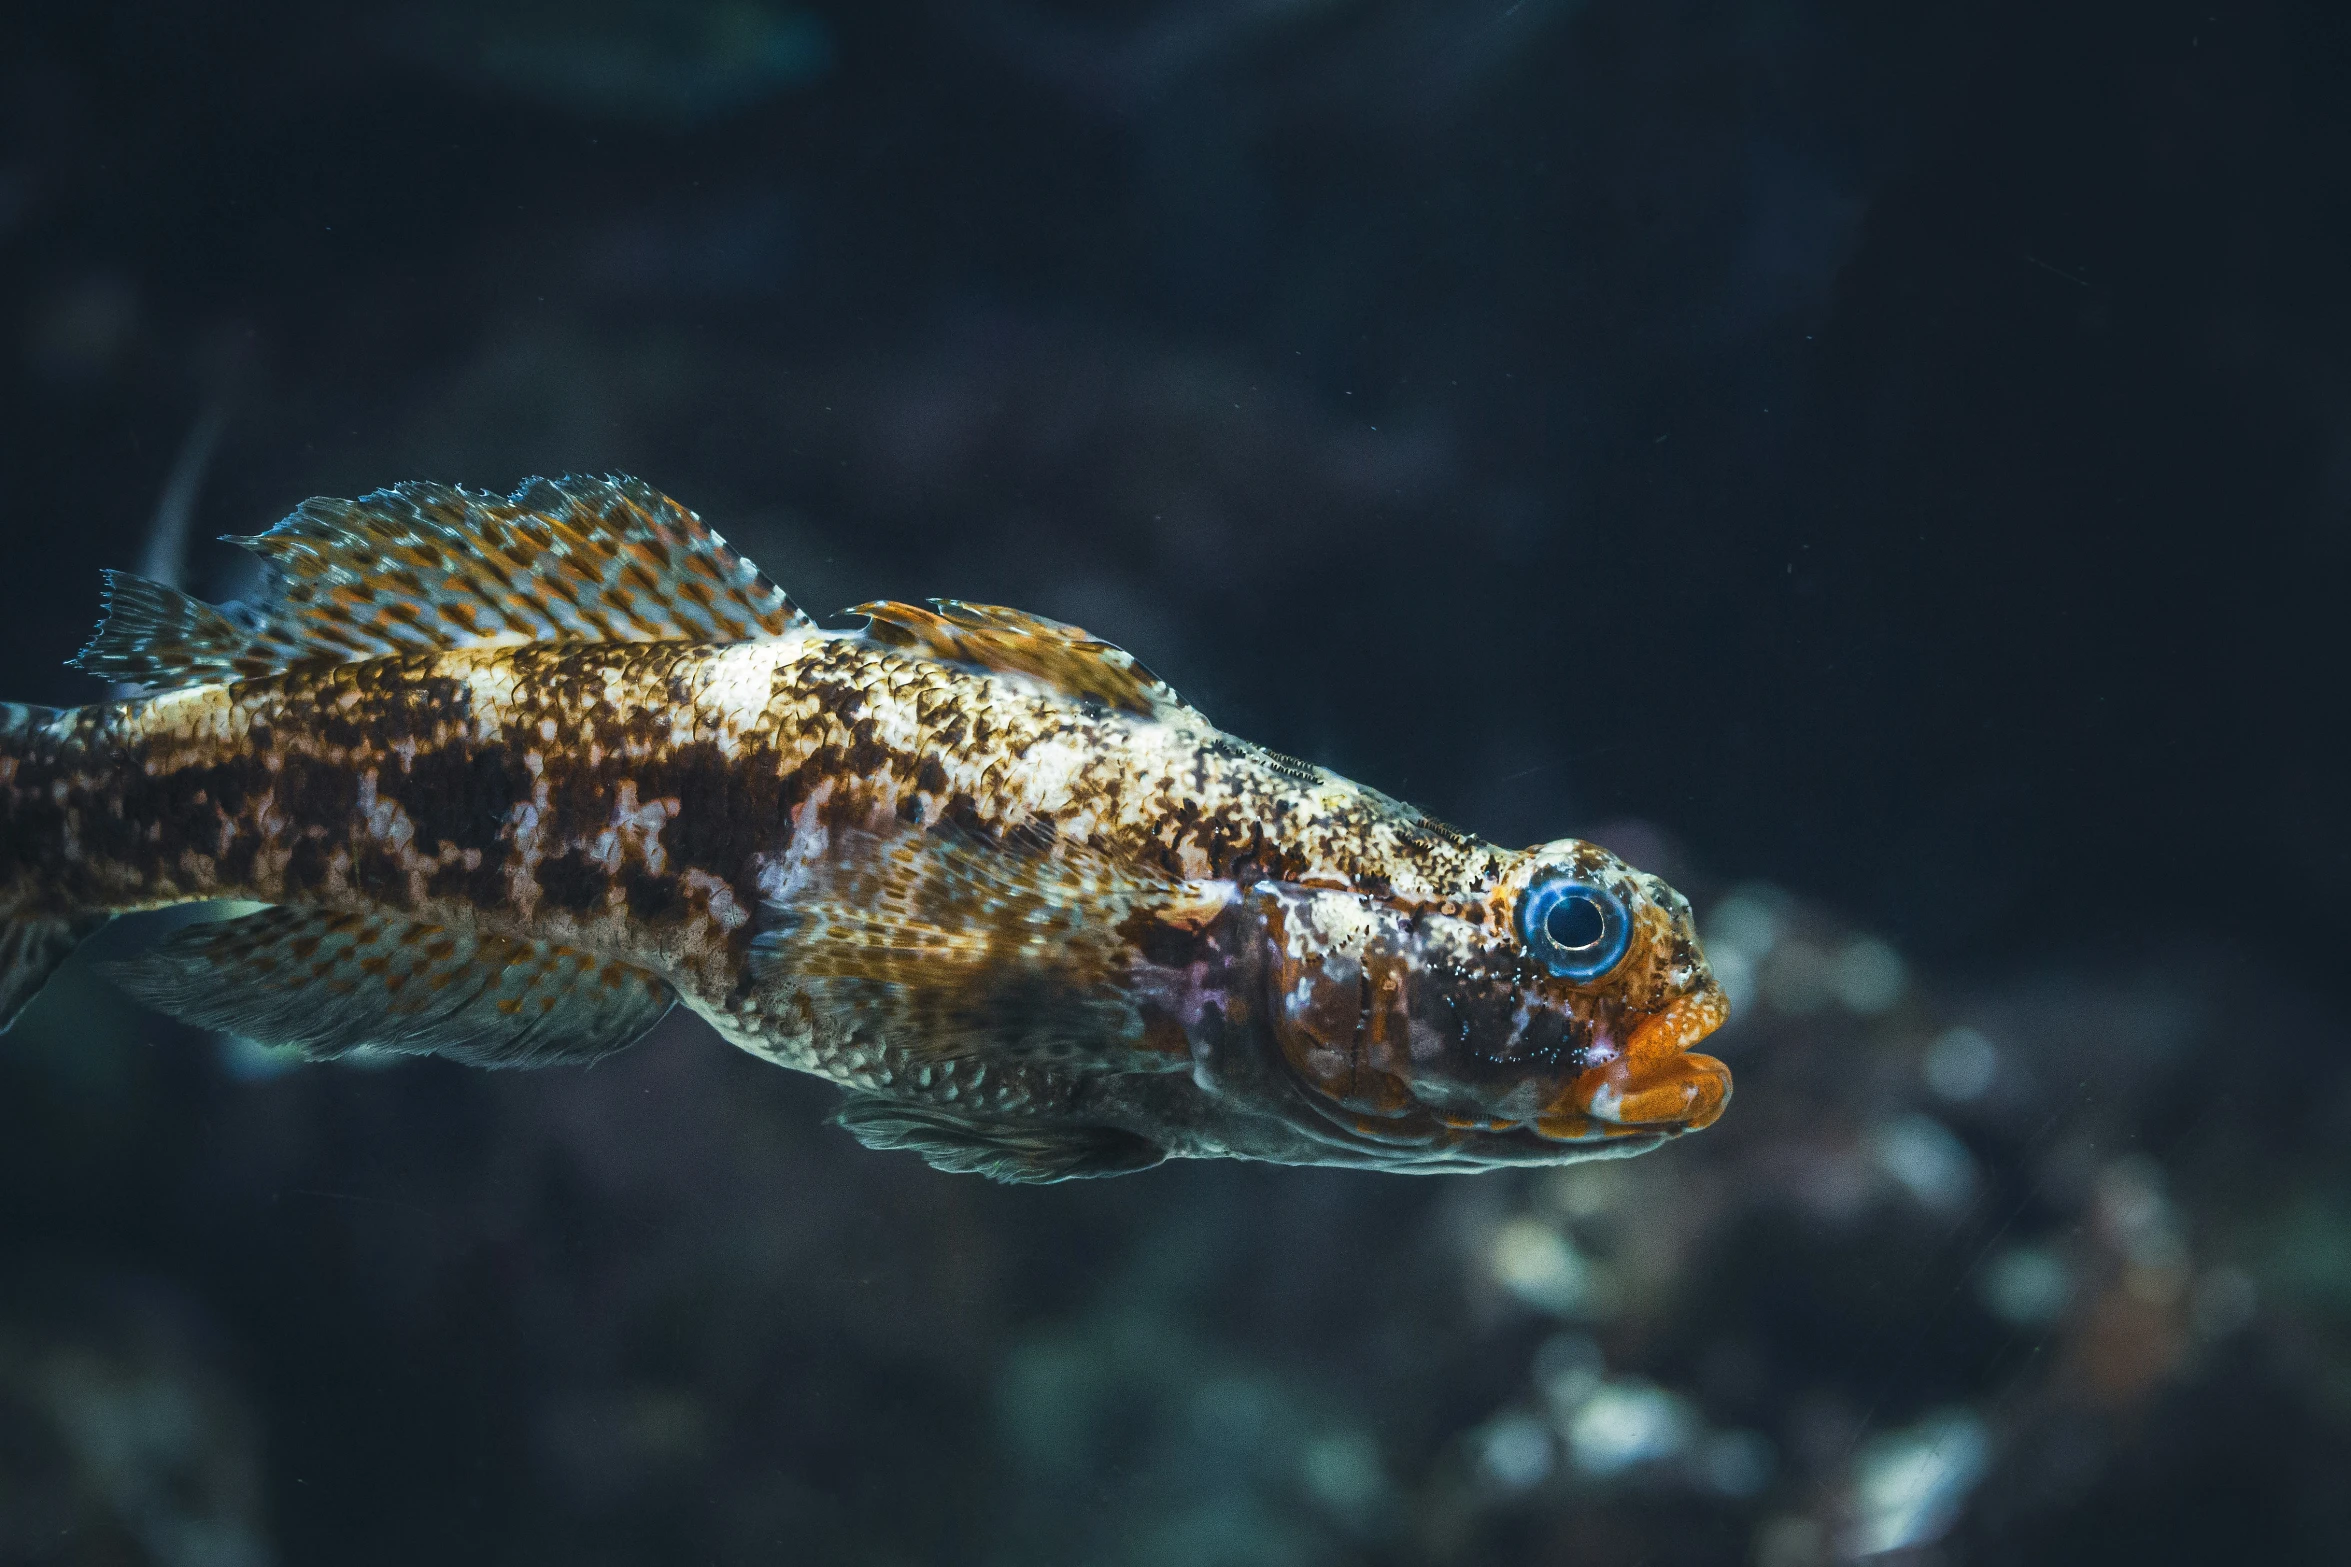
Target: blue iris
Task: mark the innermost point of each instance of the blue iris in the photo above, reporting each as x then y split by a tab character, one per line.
1579	931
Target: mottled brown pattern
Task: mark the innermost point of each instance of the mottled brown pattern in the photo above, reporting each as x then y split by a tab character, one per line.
395	781
1314	971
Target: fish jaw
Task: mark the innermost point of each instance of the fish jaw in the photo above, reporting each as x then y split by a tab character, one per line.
1658	1085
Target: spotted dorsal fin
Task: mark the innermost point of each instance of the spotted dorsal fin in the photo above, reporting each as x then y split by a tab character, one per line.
426	566
152	627
1070	659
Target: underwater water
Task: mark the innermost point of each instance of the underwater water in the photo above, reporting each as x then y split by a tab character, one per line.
1889	475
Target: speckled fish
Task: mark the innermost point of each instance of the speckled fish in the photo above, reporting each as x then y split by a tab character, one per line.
516	775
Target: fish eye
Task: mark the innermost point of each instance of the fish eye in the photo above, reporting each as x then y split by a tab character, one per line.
1579	931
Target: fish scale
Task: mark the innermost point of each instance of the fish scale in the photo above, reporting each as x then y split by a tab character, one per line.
1040	916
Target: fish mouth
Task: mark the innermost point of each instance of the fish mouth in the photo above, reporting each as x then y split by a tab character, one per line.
1658	1086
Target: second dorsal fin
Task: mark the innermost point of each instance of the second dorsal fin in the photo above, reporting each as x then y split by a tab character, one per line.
425	566
1068	658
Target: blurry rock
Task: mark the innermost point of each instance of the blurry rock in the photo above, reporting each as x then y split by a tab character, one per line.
1628	1423
122	1440
1909	1485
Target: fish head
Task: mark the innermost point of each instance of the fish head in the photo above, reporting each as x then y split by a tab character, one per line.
1547	1017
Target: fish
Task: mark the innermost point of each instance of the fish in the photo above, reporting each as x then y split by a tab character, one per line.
511	776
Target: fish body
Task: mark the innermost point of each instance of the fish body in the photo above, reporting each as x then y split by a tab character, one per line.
514	775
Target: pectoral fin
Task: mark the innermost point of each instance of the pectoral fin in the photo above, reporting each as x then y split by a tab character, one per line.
327	984
953	946
1016	1155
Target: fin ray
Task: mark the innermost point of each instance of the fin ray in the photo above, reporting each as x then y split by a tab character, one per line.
153	633
328	984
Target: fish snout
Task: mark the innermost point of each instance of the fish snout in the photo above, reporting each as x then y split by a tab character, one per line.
1657	1085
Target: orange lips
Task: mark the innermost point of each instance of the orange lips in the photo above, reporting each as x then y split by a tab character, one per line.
1655	1086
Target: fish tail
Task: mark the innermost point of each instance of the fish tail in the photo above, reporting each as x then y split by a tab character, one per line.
40	923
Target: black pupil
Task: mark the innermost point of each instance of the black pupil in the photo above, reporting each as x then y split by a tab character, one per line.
1575	922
